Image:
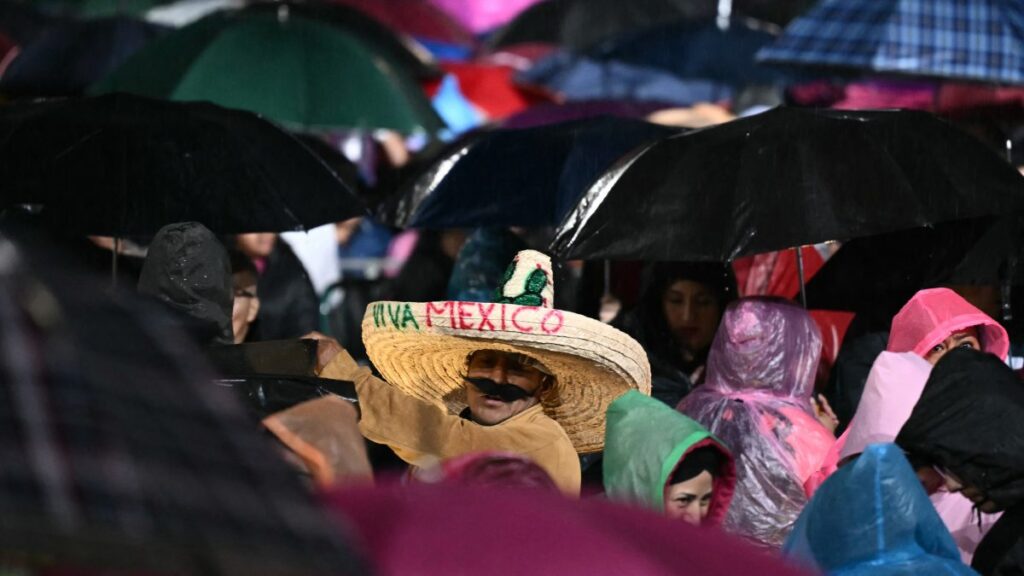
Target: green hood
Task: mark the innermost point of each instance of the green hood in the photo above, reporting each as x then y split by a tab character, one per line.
644	442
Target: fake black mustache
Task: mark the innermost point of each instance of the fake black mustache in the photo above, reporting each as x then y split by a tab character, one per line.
506	392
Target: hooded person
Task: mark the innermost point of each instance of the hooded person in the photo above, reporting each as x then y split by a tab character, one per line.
969	426
676	319
662	460
893	388
515	375
937	320
873	518
757	400
189	271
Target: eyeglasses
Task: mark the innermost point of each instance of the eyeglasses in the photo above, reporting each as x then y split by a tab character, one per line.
243	293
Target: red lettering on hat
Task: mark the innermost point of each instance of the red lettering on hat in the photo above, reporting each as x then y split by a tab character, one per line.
435	310
503	328
515	315
556	324
485	310
464	314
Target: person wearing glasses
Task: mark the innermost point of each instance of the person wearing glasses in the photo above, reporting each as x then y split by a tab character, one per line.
515	375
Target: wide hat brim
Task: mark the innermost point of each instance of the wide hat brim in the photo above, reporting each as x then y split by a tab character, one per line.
422	347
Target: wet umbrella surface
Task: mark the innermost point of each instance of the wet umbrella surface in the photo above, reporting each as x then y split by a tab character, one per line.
784	178
120	165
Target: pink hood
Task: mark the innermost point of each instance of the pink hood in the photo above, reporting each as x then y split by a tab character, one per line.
932	315
893	388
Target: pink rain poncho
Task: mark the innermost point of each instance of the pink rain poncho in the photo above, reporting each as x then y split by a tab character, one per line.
893	388
756	400
933	315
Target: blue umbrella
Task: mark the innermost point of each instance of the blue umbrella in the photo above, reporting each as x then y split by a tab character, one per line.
979	40
72	54
579	77
507	177
702	50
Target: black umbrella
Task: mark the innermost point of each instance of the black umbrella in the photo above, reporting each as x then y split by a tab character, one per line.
121	165
518	177
119	453
72	54
882	272
785	178
581	24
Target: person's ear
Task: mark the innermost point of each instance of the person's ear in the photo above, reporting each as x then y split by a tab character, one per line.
254	309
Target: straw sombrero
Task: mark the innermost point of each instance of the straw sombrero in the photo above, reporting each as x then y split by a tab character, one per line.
422	347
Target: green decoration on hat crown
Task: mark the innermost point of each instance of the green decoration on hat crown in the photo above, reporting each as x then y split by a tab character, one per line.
527	281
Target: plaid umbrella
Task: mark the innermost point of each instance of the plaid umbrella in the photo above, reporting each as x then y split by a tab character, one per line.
117	453
980	40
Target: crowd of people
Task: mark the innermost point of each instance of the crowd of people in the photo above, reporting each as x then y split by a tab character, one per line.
465	398
703	408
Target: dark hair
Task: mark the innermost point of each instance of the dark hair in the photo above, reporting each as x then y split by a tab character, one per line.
704	459
658	277
242	263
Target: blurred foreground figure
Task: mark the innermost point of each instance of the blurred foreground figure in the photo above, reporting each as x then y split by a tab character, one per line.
120	456
872	518
757	400
969	425
445	529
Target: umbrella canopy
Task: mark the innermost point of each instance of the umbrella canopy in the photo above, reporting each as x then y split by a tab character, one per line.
977	40
396	48
579	77
302	73
413	529
582	24
883	272
483	15
72	54
119	165
121	456
784	178
507	177
698	50
417	18
184	12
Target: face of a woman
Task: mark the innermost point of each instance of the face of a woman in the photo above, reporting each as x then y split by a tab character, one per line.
692	313
690	501
963	339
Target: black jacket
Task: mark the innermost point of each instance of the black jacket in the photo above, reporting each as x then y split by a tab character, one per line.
289	307
970	420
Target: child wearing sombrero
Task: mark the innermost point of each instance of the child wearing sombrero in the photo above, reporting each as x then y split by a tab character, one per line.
515	375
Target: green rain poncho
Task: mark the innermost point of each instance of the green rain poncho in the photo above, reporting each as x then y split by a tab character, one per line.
645	441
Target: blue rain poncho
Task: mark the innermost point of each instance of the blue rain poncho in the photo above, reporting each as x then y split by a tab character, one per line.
872	517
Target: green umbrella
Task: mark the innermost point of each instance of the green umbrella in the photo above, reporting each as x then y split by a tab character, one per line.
301	73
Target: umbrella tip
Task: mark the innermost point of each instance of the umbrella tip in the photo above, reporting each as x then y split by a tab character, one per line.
282	13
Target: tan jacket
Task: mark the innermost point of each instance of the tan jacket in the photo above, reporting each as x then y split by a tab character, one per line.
415	429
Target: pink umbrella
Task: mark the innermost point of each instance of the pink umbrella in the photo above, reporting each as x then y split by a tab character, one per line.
445	529
417	18
483	15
